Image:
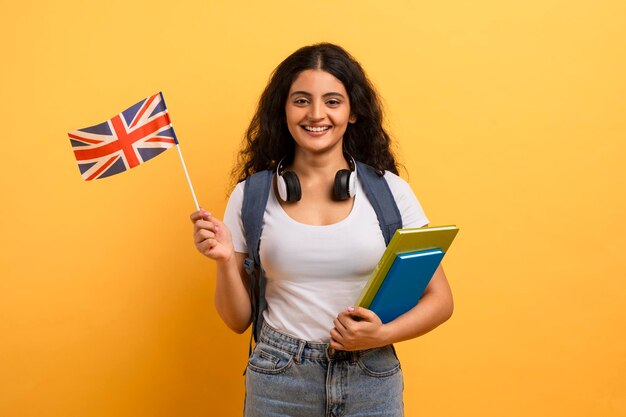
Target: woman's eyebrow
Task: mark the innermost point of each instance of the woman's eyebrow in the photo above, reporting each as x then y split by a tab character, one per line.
305	93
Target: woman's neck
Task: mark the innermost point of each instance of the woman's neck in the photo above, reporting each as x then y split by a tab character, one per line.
316	165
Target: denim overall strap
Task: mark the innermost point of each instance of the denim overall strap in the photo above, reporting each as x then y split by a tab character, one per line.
381	198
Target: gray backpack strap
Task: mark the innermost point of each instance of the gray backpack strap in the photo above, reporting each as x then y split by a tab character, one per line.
255	194
381	198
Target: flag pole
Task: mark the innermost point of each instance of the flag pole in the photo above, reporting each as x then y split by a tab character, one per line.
182	161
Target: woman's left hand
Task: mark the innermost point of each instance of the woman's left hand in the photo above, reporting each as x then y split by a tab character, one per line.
357	328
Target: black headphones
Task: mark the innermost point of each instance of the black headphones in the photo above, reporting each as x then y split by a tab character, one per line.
289	189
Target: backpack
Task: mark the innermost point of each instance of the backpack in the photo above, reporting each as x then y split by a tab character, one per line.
255	195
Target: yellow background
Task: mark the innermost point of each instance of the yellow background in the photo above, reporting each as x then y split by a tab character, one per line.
509	118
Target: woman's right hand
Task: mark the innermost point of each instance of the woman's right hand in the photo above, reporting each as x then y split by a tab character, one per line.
211	236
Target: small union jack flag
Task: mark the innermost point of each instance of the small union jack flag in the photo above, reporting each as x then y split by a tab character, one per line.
134	136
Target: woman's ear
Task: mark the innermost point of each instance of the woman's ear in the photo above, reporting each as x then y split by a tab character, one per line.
352	118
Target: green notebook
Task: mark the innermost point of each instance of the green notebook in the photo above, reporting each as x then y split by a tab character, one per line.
404	241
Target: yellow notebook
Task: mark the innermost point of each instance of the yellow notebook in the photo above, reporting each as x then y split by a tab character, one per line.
404	241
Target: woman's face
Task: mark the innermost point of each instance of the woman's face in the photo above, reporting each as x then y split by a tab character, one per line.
318	111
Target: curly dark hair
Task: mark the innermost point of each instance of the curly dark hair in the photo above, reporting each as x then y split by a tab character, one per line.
267	139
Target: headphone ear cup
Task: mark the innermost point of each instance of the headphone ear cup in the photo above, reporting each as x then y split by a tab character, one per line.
341	188
291	186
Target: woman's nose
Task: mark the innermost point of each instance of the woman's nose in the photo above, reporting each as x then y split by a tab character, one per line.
316	111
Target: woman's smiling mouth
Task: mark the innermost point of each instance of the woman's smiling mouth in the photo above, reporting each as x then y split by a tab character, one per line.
316	129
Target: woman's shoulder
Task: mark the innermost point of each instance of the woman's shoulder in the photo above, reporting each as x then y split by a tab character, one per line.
408	204
239	187
236	195
397	183
239	191
391	177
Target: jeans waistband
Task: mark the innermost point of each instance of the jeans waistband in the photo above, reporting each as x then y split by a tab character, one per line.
304	349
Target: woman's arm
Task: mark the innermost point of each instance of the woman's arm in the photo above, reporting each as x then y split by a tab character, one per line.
232	299
367	331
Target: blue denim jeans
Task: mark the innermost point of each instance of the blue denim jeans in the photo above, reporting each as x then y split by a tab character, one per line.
291	377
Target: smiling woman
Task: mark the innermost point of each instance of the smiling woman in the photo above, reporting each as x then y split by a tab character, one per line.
269	139
318	111
313	150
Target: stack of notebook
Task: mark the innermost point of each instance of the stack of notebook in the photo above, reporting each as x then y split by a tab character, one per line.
405	269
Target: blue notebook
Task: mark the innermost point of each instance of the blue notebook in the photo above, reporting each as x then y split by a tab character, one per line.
405	283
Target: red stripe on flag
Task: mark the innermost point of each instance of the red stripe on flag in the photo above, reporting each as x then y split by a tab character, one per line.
99	152
102	168
80	138
163	140
143	110
125	141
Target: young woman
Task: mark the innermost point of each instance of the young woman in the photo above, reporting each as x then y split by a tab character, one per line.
317	355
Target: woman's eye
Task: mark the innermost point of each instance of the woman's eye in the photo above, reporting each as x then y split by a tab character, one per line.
333	102
301	101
